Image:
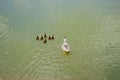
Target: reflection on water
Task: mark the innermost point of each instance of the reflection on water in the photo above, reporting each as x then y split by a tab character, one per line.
92	29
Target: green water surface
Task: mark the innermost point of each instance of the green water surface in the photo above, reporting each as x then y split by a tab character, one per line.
92	29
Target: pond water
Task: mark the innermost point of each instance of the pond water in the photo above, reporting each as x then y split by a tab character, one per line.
92	29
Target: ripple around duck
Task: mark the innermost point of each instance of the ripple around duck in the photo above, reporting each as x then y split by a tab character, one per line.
41	64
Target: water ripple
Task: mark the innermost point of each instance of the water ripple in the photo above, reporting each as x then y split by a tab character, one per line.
3	27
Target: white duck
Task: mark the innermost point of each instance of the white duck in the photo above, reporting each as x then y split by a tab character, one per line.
65	46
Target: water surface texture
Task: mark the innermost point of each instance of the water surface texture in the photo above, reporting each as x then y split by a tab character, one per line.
92	28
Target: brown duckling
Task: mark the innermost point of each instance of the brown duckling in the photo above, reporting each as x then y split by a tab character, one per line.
52	36
41	38
45	41
45	36
49	38
37	38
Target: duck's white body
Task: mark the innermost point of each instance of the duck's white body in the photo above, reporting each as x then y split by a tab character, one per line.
65	46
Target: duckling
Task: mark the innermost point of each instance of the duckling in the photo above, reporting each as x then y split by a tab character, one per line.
52	36
41	38
49	37
45	41
45	36
37	38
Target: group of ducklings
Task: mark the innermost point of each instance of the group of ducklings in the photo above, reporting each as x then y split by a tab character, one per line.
45	37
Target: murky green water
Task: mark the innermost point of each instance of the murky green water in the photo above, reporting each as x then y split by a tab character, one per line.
92	28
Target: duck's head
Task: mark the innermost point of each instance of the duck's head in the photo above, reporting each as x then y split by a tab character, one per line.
64	39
